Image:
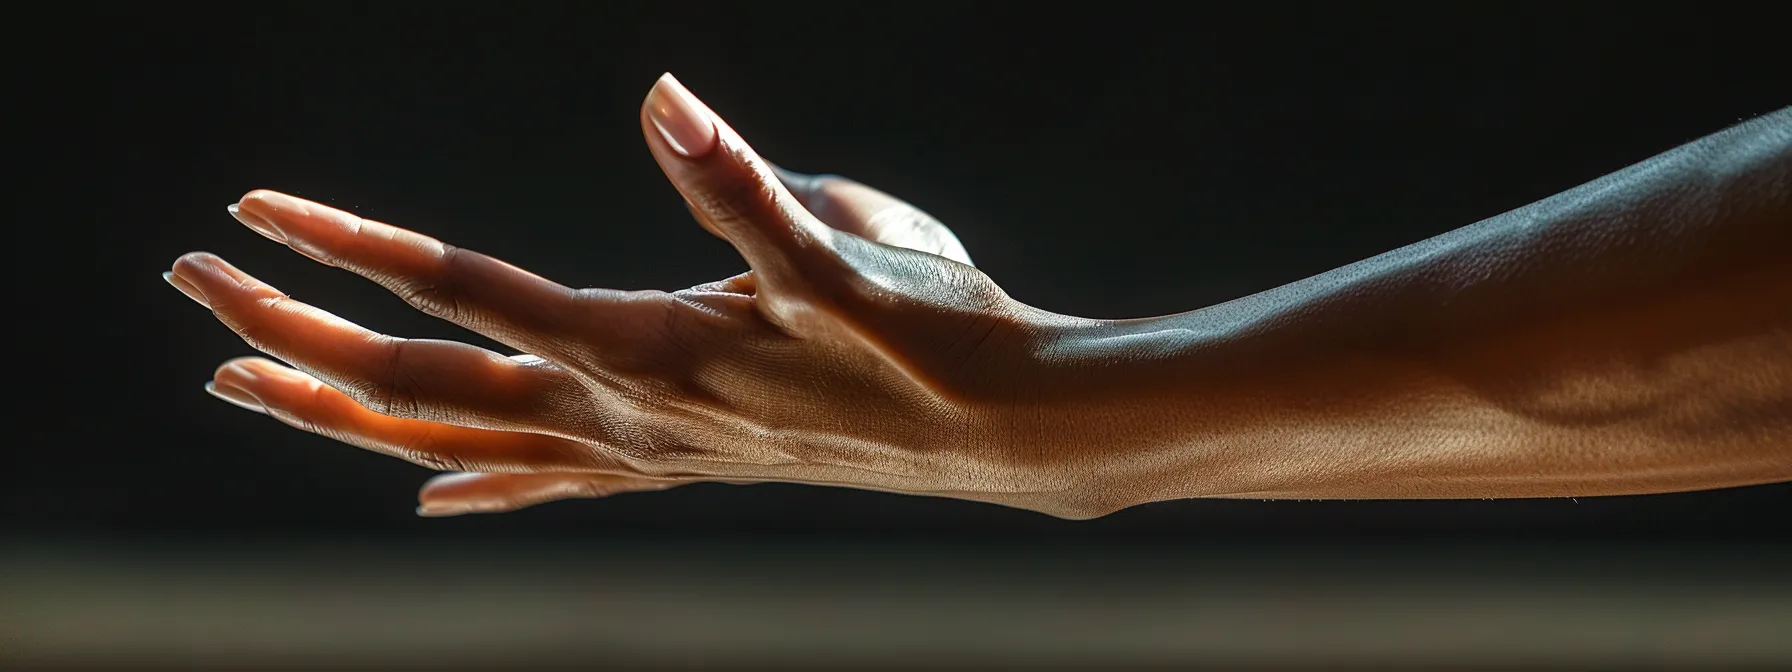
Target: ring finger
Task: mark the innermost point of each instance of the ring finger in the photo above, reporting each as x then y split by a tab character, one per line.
442	381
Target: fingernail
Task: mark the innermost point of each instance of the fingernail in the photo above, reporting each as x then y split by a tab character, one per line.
236	396
681	119
259	225
238	371
186	288
442	509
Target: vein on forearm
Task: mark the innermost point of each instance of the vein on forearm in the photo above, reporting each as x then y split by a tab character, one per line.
1649	309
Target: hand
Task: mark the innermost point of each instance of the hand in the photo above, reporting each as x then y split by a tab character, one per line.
861	350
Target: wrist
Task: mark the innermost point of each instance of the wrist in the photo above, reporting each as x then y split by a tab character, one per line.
1111	414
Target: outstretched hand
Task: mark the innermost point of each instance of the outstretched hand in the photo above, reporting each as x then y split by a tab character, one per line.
861	350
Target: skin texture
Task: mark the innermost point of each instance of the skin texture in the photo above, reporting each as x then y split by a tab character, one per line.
1633	335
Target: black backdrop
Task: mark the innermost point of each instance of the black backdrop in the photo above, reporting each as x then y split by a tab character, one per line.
1095	161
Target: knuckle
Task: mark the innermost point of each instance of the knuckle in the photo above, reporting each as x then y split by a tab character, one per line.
309	425
660	333
436	294
394	392
249	318
414	446
643	449
658	340
252	333
737	198
421	448
302	415
432	460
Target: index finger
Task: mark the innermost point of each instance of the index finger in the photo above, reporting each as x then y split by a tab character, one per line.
470	289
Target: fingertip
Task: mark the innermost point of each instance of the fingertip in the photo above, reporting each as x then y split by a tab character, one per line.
192	272
256	223
266	199
261	374
442	483
231	368
196	262
247	360
441	510
457	493
258	204
193	265
187	288
214	276
256	195
235	396
276	214
684	122
239	367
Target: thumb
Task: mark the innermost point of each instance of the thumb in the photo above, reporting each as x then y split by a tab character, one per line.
733	192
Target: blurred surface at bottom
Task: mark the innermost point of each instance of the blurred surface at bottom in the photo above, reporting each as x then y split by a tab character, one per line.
892	606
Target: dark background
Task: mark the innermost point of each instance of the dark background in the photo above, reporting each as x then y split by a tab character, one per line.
1095	161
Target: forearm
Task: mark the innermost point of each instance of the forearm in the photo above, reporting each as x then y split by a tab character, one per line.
1630	335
